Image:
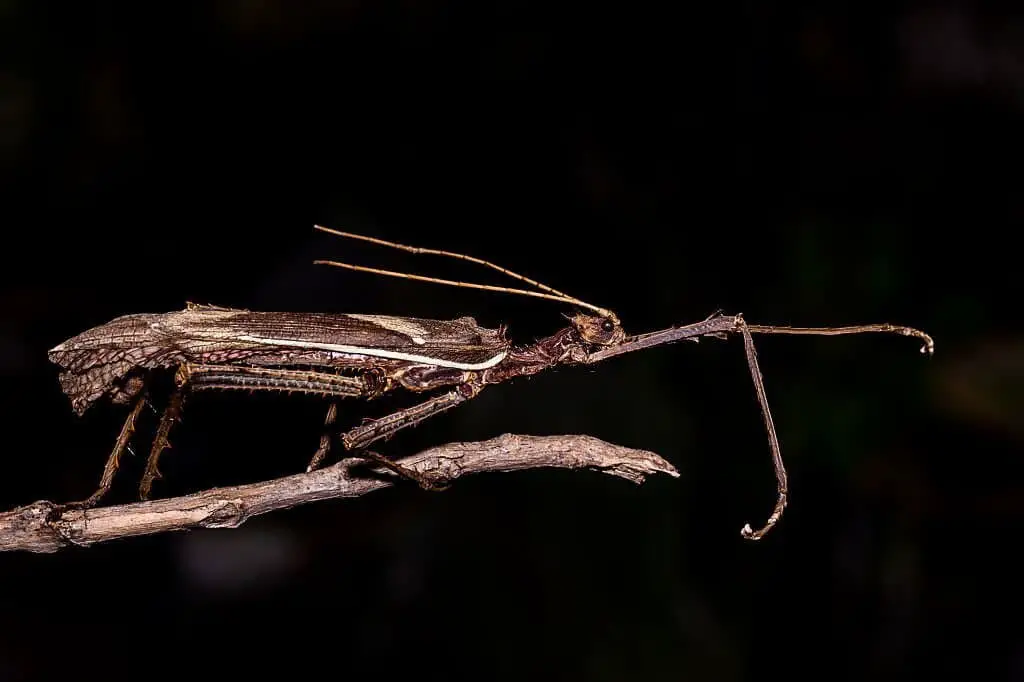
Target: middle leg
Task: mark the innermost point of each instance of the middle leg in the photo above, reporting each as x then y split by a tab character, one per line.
364	435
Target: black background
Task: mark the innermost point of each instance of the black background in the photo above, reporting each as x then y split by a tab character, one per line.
802	164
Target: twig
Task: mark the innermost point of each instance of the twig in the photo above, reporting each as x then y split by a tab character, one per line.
44	527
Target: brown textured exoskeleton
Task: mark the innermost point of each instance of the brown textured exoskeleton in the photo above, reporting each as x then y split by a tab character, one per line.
364	356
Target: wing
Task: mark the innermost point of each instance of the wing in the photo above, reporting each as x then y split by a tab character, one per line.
99	360
459	343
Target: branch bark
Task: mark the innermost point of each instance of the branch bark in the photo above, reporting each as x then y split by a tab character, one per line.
43	527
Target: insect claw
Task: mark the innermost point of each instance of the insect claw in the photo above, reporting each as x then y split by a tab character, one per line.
434	482
928	347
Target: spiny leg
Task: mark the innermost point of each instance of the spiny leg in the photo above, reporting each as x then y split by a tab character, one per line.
385	427
325	438
927	348
927	343
773	439
368	384
113	461
171	415
719	326
241	378
227	377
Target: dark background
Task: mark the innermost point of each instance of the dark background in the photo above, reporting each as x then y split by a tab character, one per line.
802	164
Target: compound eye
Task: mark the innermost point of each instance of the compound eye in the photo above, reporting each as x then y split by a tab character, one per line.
607	326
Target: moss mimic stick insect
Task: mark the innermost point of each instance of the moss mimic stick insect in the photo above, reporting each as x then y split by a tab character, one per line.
365	356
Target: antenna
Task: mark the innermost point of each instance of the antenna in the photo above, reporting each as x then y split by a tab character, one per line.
552	294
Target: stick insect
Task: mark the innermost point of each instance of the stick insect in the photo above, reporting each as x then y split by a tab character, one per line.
340	356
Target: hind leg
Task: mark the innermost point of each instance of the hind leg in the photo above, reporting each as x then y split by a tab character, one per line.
171	415
113	461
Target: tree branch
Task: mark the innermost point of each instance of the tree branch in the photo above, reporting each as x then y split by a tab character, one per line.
44	527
